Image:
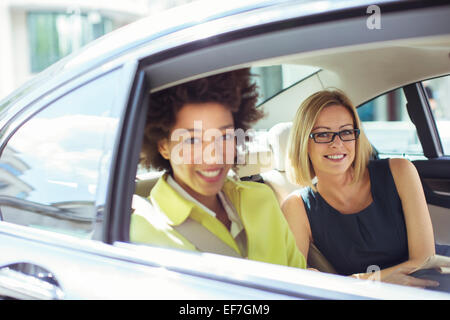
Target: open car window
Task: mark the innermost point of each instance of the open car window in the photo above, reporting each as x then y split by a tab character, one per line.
273	80
438	94
388	127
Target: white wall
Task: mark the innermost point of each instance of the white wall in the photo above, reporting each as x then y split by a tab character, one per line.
14	48
7	78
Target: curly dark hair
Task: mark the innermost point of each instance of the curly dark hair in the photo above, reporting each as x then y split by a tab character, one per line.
234	89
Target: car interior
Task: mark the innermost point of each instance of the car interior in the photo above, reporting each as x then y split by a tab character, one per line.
364	72
360	71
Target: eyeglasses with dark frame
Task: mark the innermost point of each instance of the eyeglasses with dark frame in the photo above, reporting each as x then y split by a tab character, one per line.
328	136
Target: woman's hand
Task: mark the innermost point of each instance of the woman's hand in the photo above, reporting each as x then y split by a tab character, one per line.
400	275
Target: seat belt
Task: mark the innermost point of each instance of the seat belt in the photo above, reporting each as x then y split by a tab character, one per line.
203	239
318	261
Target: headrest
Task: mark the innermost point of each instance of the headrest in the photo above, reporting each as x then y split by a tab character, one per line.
278	140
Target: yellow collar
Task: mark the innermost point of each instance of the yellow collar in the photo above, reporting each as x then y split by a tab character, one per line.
176	207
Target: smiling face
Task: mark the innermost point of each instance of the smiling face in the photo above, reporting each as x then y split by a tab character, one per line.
201	148
337	156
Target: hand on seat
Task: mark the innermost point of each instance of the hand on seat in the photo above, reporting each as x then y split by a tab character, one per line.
401	276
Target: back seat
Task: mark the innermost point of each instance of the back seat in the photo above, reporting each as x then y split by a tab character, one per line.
277	178
145	183
278	181
262	166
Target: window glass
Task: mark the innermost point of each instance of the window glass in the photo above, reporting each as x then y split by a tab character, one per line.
386	123
438	93
54	35
272	80
49	169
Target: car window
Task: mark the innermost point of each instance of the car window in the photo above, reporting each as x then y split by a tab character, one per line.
438	93
388	127
271	80
49	169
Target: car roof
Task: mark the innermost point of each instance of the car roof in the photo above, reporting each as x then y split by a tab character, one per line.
162	28
161	24
164	23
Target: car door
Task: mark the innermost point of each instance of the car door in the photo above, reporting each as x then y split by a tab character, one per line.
402	123
58	157
429	114
55	163
58	163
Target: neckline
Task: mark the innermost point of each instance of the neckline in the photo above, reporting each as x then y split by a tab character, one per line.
347	214
236	224
362	211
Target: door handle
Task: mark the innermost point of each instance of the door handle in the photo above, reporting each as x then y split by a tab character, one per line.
17	284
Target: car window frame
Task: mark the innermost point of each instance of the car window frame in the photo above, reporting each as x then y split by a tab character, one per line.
376	153
420	113
121	188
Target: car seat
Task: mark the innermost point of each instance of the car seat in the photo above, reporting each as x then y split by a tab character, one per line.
278	181
277	178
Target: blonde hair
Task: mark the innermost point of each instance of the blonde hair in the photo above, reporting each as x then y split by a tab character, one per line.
299	166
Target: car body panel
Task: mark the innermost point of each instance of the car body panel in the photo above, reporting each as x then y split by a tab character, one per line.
87	269
99	272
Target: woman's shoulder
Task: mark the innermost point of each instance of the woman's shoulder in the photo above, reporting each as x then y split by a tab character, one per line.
394	170
257	191
392	163
403	170
397	166
298	197
252	185
400	164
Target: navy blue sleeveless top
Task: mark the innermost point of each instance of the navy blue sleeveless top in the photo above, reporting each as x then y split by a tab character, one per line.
374	236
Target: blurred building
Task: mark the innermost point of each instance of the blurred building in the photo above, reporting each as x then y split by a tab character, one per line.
36	33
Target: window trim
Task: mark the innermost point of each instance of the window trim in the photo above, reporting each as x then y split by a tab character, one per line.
126	158
376	151
422	117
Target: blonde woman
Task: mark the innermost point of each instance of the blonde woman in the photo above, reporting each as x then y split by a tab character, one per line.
361	214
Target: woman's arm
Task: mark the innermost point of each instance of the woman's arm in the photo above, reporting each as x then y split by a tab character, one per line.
418	225
417	217
295	214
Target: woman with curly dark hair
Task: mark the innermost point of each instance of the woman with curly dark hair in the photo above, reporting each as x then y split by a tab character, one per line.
191	134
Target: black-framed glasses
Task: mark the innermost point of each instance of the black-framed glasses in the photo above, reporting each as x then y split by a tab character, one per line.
328	136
